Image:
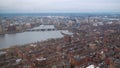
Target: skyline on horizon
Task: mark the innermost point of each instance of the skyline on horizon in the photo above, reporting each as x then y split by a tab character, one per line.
59	6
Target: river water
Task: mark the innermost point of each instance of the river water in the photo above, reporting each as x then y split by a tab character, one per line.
27	37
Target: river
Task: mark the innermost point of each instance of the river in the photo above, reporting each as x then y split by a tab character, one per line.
27	37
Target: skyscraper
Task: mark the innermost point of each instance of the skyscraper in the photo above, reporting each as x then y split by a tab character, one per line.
1	29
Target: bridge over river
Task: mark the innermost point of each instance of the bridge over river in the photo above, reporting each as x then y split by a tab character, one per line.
43	28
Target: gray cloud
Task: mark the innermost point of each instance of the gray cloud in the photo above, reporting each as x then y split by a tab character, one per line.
58	5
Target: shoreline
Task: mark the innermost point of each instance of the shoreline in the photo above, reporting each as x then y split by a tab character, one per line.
28	44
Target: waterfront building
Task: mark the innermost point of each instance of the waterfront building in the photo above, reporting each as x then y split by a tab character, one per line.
1	29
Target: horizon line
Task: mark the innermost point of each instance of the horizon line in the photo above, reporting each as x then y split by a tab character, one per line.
51	12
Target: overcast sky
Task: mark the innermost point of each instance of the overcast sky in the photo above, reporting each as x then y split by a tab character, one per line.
28	6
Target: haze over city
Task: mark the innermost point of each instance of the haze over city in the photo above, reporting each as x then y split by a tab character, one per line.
59	33
37	6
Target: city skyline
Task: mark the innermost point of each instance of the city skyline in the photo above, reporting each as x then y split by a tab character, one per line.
38	6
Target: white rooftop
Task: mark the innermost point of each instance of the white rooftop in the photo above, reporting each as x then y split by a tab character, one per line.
33	45
2	53
40	59
66	32
92	66
18	60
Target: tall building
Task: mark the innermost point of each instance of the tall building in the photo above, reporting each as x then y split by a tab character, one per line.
1	29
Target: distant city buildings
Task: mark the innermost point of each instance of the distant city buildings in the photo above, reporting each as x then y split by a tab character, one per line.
21	23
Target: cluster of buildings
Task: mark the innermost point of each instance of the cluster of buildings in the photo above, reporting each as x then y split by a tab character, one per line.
15	28
97	46
92	45
13	24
